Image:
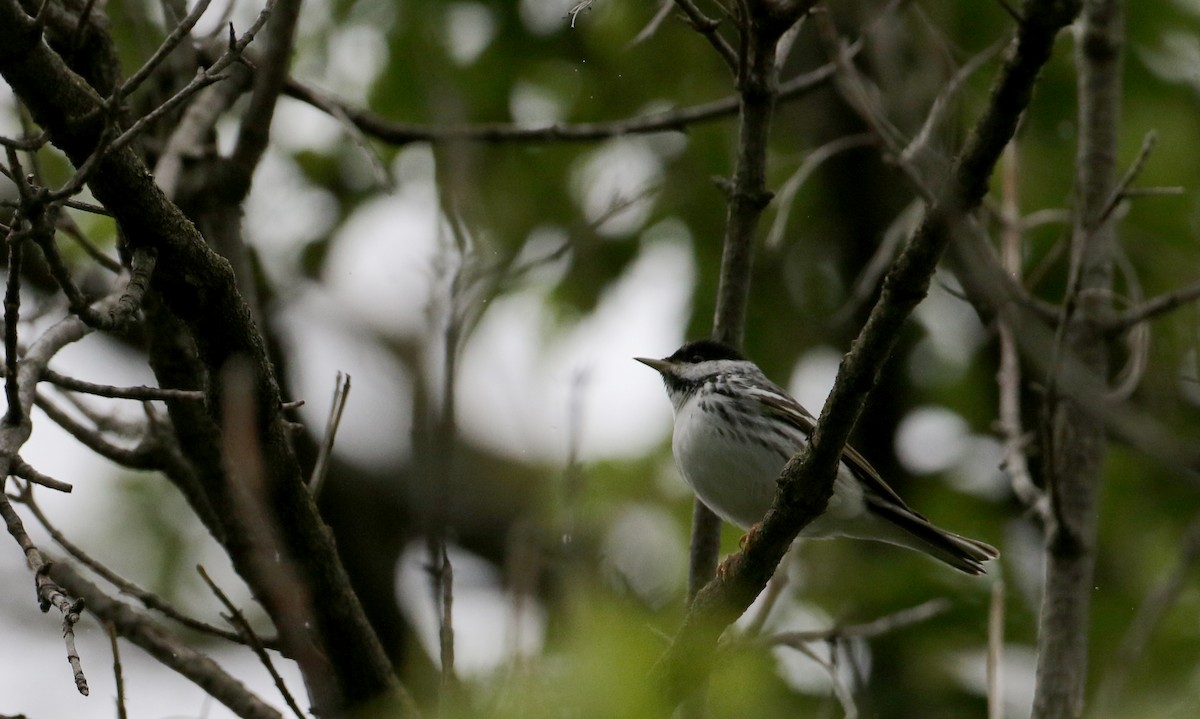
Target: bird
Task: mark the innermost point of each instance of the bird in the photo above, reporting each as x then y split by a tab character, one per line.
735	430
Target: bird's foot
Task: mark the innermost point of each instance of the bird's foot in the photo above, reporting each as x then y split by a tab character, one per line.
749	537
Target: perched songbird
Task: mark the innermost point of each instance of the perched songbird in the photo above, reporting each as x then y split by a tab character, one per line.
734	431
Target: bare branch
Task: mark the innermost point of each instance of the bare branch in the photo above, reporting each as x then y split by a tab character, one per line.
1008	374
812	161
29	144
140	393
25	471
203	78
250	638
12	311
995	657
886	624
137	458
49	593
1154	307
169	43
34	212
341	391
67	224
1073	439
1121	189
401	133
708	27
118	675
170	652
664	11
941	104
270	75
149	599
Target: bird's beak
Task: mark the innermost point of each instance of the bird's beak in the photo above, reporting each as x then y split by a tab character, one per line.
655	364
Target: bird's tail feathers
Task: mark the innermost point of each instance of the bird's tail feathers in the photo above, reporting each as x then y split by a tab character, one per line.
962	553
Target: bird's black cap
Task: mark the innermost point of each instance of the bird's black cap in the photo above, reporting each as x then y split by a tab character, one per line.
704	350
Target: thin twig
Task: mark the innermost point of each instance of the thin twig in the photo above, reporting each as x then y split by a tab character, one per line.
446	619
149	599
341	391
856	90
707	27
137	458
31	144
68	225
1154	307
769	599
12	310
1008	374
27	472
169	43
578	8
49	593
238	620
995	657
402	133
663	12
170	652
118	675
868	630
941	104
202	79
812	161
1131	173
140	393
28	213
1137	340
270	75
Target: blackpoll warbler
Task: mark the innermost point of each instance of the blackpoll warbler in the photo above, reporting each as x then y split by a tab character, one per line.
734	431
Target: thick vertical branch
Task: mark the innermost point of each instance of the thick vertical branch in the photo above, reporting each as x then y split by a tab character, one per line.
1075	438
762	24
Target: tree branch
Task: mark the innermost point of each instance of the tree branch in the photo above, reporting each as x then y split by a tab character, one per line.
1074	440
757	84
158	643
403	133
707	27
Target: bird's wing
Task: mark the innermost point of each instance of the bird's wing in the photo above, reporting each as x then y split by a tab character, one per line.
782	406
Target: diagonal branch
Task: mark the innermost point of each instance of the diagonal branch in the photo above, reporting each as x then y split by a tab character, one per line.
707	27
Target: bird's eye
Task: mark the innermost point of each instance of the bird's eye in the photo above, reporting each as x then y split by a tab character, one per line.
695	359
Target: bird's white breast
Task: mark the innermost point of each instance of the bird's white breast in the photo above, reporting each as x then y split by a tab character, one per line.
735	476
